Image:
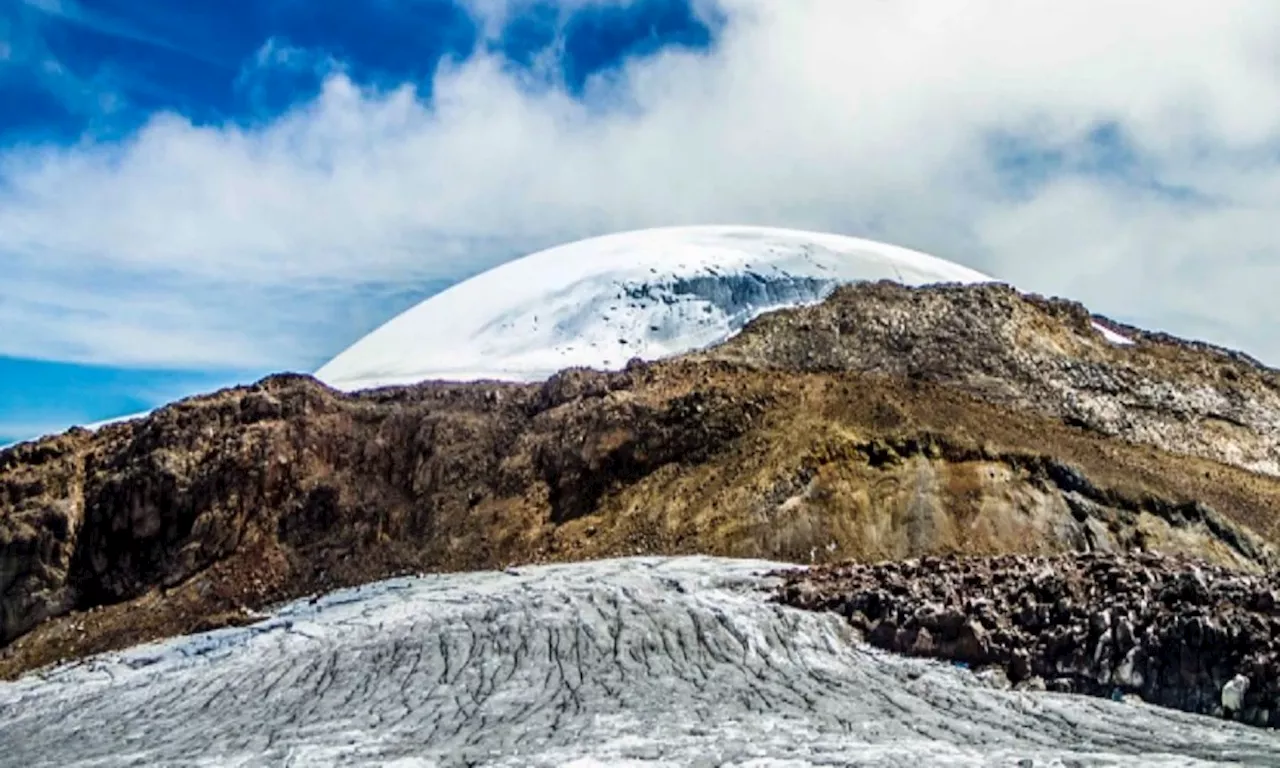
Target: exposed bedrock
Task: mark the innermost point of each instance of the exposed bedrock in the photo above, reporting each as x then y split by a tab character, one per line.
1177	632
1037	354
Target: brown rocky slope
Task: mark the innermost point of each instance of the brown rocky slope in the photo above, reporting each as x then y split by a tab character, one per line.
885	423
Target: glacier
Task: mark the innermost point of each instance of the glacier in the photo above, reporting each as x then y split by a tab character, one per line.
636	662
603	301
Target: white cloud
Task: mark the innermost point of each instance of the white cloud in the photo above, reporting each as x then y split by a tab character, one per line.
236	246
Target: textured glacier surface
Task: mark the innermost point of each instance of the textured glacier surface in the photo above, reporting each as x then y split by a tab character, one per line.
643	661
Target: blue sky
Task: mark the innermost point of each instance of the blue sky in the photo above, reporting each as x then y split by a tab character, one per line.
198	193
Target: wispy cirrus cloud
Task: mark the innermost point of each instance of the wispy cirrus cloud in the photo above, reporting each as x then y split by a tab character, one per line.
1132	164
111	25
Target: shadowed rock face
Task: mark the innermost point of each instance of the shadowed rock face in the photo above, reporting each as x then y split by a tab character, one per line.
219	505
1179	633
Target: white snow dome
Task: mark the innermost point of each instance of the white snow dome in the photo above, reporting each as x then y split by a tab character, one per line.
603	301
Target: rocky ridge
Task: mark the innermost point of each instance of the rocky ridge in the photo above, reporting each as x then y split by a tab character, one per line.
1179	633
886	423
1036	354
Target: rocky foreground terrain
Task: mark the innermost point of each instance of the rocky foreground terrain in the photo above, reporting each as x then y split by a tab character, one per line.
1176	632
885	423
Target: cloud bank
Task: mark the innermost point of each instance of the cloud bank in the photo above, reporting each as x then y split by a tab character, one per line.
1119	153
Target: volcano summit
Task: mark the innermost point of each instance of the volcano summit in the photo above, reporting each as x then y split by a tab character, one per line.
600	302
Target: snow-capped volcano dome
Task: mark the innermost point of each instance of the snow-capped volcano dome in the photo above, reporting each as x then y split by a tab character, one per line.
600	302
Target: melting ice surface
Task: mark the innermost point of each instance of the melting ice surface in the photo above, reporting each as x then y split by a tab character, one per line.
639	662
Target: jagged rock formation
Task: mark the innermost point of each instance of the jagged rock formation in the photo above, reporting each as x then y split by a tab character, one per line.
1178	633
903	440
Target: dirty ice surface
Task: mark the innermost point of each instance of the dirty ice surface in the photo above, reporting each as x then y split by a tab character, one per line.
642	662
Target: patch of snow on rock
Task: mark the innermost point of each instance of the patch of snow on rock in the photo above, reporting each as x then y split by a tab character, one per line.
1111	336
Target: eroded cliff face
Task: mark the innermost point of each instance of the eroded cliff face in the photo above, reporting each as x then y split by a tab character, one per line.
220	505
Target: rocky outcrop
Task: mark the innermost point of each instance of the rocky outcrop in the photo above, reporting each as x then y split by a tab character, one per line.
1174	631
217	506
1043	355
